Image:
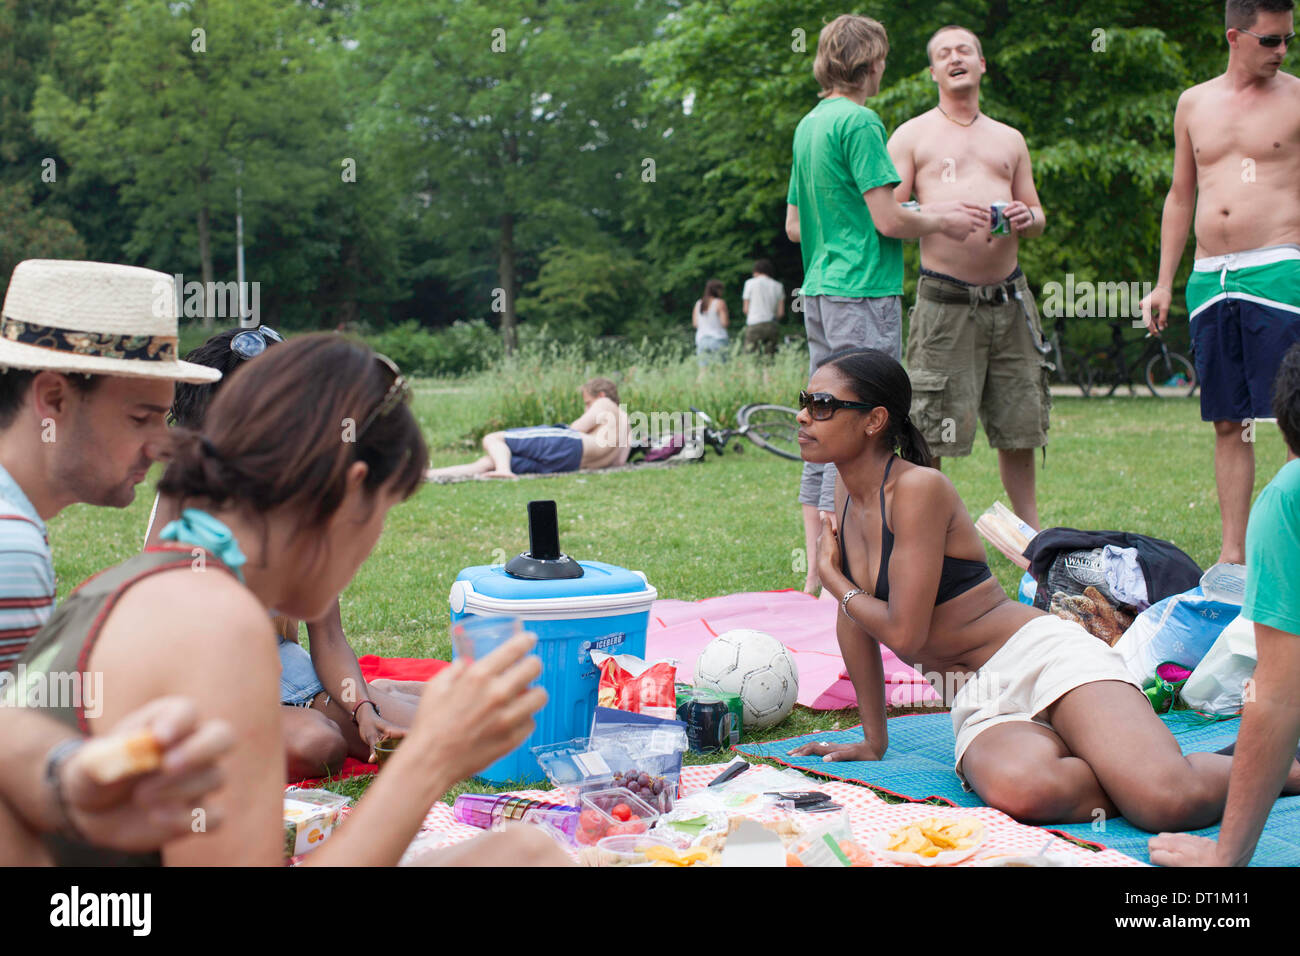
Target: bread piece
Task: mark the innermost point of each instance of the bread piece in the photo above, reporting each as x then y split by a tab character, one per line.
113	758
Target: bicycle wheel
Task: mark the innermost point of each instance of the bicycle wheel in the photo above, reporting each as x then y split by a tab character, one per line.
1080	372
772	427
1161	372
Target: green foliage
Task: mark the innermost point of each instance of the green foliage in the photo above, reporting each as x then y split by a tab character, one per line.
460	348
586	290
31	233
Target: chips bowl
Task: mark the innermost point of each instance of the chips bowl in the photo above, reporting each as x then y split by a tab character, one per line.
933	841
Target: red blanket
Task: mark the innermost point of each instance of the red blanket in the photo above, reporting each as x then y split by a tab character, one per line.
373	668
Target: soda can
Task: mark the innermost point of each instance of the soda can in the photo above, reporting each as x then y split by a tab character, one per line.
1001	226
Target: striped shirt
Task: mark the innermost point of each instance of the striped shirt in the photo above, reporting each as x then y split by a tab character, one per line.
26	571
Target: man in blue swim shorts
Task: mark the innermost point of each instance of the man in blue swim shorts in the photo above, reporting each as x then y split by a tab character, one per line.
598	439
1236	165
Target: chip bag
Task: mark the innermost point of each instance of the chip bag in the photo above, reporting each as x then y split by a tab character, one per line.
637	686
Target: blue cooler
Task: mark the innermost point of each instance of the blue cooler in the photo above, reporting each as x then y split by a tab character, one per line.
606	608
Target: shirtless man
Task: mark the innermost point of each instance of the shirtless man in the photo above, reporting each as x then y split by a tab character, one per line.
975	344
598	439
1237	141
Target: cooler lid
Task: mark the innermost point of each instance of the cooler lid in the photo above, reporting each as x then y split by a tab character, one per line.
603	587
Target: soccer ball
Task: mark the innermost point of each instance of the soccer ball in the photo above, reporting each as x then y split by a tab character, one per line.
758	668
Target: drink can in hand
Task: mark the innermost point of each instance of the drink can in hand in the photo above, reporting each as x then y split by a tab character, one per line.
1001	225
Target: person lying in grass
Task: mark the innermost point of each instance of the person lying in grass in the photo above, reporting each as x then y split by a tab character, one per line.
283	496
1049	726
599	438
330	711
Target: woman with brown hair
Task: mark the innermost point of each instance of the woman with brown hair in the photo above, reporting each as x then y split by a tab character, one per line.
284	495
709	318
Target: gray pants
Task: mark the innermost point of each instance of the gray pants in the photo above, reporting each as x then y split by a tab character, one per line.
837	322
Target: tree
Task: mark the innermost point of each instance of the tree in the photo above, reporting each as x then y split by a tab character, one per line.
509	126
178	104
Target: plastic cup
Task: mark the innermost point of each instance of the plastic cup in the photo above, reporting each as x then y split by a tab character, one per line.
473	637
384	749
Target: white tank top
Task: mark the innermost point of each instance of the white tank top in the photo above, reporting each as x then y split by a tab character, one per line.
710	322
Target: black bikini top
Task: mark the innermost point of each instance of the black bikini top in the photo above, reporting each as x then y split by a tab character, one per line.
957	577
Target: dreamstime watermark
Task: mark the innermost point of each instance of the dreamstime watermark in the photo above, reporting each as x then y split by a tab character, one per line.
1086	299
218	300
77	690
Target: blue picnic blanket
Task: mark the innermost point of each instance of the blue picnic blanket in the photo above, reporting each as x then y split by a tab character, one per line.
918	766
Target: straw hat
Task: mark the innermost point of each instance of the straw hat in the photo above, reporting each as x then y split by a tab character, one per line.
97	318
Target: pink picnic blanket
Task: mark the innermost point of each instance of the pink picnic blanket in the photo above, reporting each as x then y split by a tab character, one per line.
804	624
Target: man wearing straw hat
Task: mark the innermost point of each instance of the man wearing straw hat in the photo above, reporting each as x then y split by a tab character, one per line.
87	365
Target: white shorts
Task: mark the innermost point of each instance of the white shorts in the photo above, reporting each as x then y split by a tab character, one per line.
1036	667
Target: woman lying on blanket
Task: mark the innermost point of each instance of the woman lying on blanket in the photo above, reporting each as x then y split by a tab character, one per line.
284	495
1050	727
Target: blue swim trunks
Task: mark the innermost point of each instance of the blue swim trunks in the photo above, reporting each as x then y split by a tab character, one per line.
544	450
1245	311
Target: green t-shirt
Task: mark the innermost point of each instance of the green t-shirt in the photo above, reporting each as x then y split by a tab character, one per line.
1273	553
839	154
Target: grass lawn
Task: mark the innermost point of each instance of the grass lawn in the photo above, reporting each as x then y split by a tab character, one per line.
726	524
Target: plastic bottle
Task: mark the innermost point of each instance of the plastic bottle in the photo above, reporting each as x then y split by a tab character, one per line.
1225	583
488	810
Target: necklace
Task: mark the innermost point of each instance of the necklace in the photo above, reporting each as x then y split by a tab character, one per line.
959	122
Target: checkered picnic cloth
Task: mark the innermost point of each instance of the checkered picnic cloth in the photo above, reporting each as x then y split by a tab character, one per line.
868	816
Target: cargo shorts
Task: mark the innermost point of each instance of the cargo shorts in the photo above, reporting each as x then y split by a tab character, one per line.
977	350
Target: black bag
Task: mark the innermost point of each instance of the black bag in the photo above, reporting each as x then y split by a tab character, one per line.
1052	560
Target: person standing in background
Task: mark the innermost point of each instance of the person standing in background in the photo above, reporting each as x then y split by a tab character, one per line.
763	300
709	318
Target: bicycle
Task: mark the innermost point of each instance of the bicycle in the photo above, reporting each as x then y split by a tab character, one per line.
1161	367
1070	367
771	427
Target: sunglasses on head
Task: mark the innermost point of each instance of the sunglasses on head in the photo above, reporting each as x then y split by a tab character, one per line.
250	343
1270	40
398	392
822	405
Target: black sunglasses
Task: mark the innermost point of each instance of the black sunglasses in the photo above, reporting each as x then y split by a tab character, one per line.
250	343
398	392
1270	40
822	405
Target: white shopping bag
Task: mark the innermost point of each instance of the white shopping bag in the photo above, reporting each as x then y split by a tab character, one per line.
1217	686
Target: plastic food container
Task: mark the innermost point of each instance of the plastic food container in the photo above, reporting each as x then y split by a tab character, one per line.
600	817
627	850
309	818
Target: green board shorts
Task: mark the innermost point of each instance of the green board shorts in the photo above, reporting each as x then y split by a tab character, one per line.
975	351
1245	315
